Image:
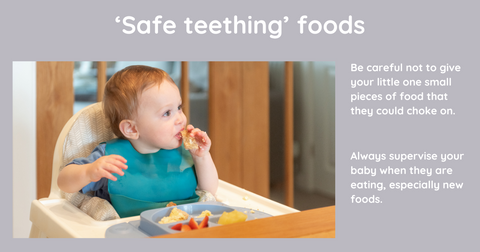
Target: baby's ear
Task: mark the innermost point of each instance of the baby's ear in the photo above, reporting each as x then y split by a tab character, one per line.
129	129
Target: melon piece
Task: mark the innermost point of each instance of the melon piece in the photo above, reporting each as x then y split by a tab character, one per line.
232	217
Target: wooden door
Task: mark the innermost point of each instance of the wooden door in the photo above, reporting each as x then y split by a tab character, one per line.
239	123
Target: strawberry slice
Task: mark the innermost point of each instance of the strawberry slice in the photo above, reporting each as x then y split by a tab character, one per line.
204	223
193	224
177	226
185	228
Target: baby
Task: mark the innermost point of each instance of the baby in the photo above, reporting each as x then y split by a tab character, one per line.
144	109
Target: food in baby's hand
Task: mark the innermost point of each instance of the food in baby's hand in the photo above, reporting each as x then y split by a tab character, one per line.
188	142
175	215
232	217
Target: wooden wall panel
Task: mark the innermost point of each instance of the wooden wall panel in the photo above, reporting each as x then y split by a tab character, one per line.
256	134
225	120
101	79
288	110
185	90
238	123
55	99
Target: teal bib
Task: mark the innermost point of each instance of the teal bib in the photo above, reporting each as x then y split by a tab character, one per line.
151	180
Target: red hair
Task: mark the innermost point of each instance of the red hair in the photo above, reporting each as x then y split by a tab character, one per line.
122	90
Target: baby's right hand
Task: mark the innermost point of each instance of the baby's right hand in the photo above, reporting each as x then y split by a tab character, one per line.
105	166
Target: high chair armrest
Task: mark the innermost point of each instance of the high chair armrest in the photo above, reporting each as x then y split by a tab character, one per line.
236	196
58	218
48	223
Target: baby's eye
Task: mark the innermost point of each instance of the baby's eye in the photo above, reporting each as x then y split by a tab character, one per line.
167	113
180	107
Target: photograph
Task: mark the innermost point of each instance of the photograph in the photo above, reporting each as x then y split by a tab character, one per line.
129	149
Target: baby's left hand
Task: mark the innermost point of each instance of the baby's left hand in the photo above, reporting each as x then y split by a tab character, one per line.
203	141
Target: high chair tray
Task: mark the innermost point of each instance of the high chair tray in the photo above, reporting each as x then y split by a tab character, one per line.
148	224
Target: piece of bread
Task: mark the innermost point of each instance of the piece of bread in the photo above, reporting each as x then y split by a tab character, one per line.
171	204
175	215
189	142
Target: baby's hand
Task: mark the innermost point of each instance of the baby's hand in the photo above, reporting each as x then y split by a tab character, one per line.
203	141
105	166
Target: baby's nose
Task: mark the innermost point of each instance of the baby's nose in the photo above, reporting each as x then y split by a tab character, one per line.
180	118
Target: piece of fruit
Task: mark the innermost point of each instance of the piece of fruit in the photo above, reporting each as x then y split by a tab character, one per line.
193	224
185	228
232	217
177	226
204	223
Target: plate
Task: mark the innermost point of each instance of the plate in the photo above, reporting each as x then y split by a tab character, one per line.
149	226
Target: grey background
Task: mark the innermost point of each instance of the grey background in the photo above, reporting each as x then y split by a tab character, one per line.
408	32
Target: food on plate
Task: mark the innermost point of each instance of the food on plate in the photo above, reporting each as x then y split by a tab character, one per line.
171	204
232	217
175	215
185	228
204	213
188	142
204	223
177	226
193	224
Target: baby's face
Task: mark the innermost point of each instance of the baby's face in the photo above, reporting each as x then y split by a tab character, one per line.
160	117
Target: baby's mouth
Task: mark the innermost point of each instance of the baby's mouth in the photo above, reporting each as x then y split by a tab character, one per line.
179	135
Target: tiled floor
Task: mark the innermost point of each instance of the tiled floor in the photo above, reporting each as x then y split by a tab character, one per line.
302	200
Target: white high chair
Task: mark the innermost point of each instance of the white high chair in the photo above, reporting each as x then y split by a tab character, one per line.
64	215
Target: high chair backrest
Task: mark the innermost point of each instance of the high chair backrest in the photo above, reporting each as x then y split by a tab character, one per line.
85	130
